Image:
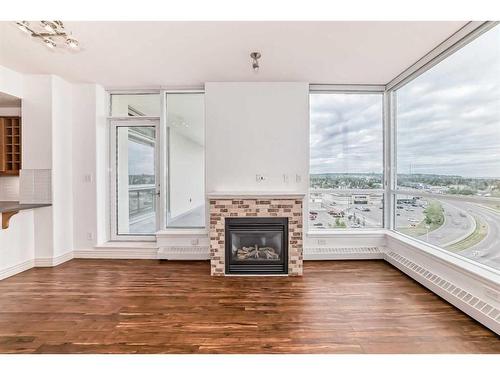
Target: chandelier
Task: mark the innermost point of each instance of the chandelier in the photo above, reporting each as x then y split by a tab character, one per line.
50	33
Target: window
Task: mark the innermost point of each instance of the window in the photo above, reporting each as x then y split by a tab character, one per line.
135	179
186	160
135	105
346	165
158	166
448	153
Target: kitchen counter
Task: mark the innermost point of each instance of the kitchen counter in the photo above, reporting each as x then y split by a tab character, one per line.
9	209
7	206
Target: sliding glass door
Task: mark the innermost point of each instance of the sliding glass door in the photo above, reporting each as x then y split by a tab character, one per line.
135	180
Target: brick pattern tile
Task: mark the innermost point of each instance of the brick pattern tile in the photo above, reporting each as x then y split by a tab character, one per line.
222	208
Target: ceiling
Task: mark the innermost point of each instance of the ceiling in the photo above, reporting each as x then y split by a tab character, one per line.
187	54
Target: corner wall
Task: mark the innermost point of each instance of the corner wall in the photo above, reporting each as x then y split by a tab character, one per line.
89	160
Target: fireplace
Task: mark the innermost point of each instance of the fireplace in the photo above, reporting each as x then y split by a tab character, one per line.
256	245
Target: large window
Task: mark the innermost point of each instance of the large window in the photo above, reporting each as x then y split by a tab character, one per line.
135	179
448	153
346	165
158	163
135	105
186	160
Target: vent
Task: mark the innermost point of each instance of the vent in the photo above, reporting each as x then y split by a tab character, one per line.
326	253
184	252
446	287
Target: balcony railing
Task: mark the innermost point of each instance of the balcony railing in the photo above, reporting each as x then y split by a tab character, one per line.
141	201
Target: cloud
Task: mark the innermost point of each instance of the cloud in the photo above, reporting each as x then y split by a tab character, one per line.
448	120
346	133
140	158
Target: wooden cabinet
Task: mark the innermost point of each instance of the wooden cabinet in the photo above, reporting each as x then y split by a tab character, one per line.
10	145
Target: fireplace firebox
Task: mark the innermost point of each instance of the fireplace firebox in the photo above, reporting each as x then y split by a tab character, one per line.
256	245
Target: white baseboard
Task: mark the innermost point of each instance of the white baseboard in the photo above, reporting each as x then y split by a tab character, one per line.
343	253
184	252
18	268
52	262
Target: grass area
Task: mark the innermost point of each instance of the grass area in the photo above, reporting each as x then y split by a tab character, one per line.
434	218
477	236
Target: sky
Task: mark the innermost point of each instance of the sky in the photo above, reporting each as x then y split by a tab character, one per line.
141	159
346	133
448	120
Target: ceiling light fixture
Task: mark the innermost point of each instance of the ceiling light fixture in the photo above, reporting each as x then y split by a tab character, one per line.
72	43
24	26
48	32
49	26
49	43
255	64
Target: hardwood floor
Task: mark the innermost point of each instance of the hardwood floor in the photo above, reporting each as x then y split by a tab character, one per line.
146	306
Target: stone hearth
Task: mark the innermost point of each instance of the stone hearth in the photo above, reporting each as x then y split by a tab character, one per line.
247	205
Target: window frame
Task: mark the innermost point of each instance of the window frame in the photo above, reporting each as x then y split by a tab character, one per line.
161	167
359	90
165	159
470	32
113	128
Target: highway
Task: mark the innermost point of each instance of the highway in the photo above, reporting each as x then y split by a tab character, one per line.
488	250
458	224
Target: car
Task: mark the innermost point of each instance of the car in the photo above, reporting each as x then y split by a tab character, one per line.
366	209
318	224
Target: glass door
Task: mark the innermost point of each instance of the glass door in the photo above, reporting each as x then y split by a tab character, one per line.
135	178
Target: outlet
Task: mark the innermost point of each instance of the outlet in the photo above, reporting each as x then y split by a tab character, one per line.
87	178
285	178
90	236
260	177
195	241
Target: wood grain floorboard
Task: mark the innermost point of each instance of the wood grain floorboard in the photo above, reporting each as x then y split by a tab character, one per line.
148	306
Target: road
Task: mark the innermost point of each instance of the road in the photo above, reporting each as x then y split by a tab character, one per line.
488	250
459	222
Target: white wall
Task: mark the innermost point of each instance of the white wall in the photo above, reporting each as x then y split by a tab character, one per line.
62	171
11	82
187	175
86	114
10	111
101	165
257	128
17	243
37	122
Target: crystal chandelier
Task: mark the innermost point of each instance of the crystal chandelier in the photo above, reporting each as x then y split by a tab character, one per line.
50	33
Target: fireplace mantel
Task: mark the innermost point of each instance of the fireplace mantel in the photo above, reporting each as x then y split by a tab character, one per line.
255	195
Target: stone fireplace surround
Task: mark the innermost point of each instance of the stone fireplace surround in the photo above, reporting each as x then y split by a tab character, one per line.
288	205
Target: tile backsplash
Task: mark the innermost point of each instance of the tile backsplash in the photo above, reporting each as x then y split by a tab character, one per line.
35	186
9	188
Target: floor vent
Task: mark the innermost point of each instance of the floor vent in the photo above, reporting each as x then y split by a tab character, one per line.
327	253
184	252
446	288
